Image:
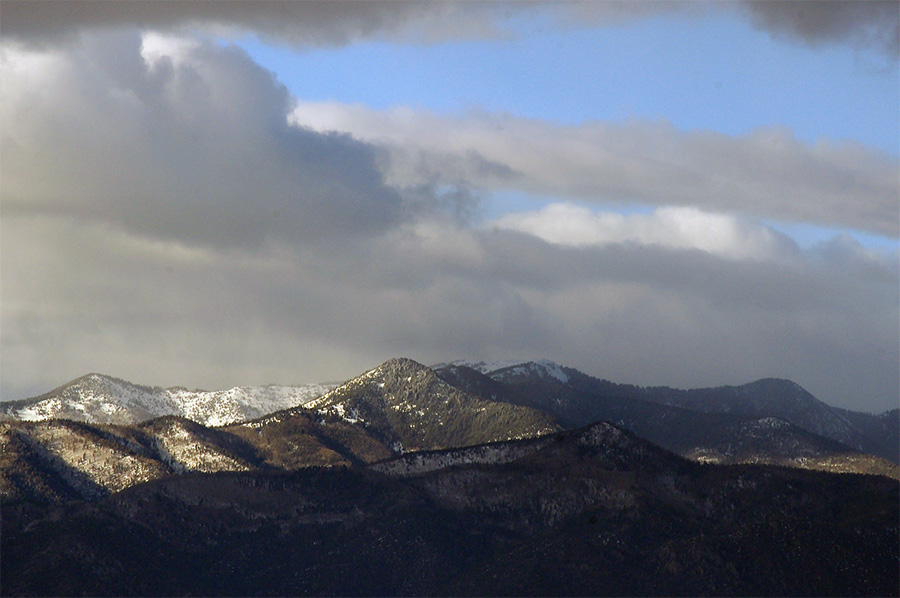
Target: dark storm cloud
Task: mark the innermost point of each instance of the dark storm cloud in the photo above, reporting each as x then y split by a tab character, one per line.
865	24
335	22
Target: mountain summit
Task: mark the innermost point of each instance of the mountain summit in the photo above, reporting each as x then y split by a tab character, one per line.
410	406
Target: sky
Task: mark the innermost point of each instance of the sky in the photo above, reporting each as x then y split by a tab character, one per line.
213	194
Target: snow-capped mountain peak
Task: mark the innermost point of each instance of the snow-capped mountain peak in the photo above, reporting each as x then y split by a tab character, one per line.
97	398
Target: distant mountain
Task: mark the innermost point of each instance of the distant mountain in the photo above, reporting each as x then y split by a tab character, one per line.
770	397
572	398
681	419
404	406
881	431
408	405
591	511
400	405
100	399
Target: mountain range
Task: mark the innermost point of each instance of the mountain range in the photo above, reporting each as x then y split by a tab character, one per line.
100	399
463	478
402	405
717	423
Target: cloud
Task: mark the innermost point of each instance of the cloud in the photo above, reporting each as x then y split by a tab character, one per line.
673	227
873	24
768	173
181	139
302	24
163	221
81	297
866	25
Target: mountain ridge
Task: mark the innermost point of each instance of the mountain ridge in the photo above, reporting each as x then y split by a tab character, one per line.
405	405
581	398
98	398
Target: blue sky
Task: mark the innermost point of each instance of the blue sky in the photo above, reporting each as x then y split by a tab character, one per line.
716	72
680	193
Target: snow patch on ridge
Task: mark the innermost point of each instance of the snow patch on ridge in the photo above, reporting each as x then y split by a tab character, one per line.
100	399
